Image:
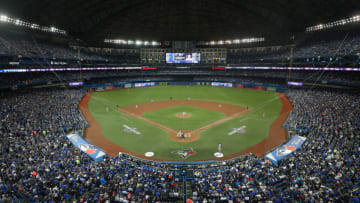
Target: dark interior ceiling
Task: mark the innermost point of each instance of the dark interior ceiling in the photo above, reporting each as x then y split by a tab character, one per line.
95	20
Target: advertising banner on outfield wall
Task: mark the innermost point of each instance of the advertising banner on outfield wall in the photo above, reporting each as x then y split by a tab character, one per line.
109	87
221	84
260	88
93	151
286	149
144	84
271	89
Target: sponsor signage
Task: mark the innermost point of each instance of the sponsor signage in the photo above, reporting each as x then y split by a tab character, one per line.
295	83
76	83
144	84
20	70
91	150
148	68
218	68
286	149
221	84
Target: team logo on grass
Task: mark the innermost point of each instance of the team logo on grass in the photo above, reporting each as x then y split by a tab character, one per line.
128	129
184	153
240	130
285	150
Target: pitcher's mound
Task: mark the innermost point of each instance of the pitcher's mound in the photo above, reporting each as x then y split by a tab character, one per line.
183	115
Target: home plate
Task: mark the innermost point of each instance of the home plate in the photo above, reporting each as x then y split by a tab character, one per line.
218	155
149	154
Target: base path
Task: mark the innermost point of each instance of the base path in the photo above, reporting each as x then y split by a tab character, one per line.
231	111
277	134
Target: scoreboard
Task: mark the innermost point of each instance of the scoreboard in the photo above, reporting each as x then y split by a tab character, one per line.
183	57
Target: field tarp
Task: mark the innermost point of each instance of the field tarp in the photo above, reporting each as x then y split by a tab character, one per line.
94	152
286	149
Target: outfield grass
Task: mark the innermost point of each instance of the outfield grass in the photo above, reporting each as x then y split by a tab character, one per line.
156	140
199	117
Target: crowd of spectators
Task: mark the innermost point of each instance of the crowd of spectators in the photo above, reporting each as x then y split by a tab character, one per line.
325	169
269	76
33	48
38	163
348	46
305	50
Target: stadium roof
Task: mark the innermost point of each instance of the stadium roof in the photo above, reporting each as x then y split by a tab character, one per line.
179	19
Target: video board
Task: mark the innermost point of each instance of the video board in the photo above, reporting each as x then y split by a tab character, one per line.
182	57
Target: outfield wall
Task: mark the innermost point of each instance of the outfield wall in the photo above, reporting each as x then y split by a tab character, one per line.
237	84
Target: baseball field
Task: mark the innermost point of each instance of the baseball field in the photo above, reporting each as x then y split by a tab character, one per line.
185	122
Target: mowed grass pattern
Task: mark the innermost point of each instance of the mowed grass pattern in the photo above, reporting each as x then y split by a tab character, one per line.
156	140
199	117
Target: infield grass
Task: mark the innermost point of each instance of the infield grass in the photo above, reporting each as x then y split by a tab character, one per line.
199	117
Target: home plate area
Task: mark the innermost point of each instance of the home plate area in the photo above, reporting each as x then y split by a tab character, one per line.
183	134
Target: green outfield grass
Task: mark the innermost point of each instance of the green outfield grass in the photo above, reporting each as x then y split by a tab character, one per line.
167	117
156	140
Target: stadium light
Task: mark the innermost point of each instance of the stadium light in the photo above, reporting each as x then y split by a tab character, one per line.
131	42
236	41
19	22
138	42
3	18
340	22
356	18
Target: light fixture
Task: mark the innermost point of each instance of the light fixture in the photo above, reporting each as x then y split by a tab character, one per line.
131	42
138	42
353	19
3	18
19	22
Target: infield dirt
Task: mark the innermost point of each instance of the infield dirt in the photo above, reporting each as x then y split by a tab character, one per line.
231	111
